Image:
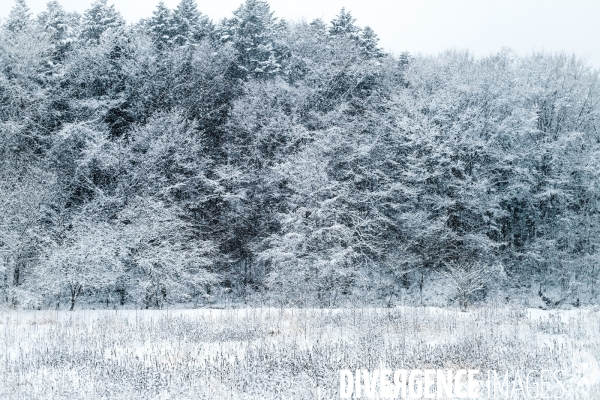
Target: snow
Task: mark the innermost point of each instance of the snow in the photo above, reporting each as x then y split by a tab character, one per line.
245	352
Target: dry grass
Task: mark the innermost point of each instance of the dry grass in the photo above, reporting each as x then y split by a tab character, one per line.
272	353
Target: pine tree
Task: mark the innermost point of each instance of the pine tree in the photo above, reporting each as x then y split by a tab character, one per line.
54	21
343	24
319	27
99	18
189	25
253	31
19	17
60	25
369	41
160	25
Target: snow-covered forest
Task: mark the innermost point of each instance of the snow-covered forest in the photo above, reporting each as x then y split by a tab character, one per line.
180	160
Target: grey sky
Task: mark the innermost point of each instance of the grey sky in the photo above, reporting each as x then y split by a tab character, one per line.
425	26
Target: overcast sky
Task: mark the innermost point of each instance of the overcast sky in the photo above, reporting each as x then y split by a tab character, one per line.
424	26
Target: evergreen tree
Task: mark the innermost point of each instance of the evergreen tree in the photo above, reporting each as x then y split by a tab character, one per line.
319	26
160	25
59	24
189	25
19	16
369	42
99	18
54	21
343	24
253	31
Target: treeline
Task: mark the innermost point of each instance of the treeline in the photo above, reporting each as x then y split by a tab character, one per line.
177	159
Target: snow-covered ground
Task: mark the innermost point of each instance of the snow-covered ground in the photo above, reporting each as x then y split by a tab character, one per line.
271	353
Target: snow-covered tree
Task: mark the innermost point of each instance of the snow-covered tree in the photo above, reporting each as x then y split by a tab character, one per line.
84	260
60	25
25	194
19	17
99	18
343	24
188	25
160	25
316	256
169	242
164	263
253	33
369	42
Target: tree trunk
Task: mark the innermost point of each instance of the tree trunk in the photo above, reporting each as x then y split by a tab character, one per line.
75	291
421	283
463	305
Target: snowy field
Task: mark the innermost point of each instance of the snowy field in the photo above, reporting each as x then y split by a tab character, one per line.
277	353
